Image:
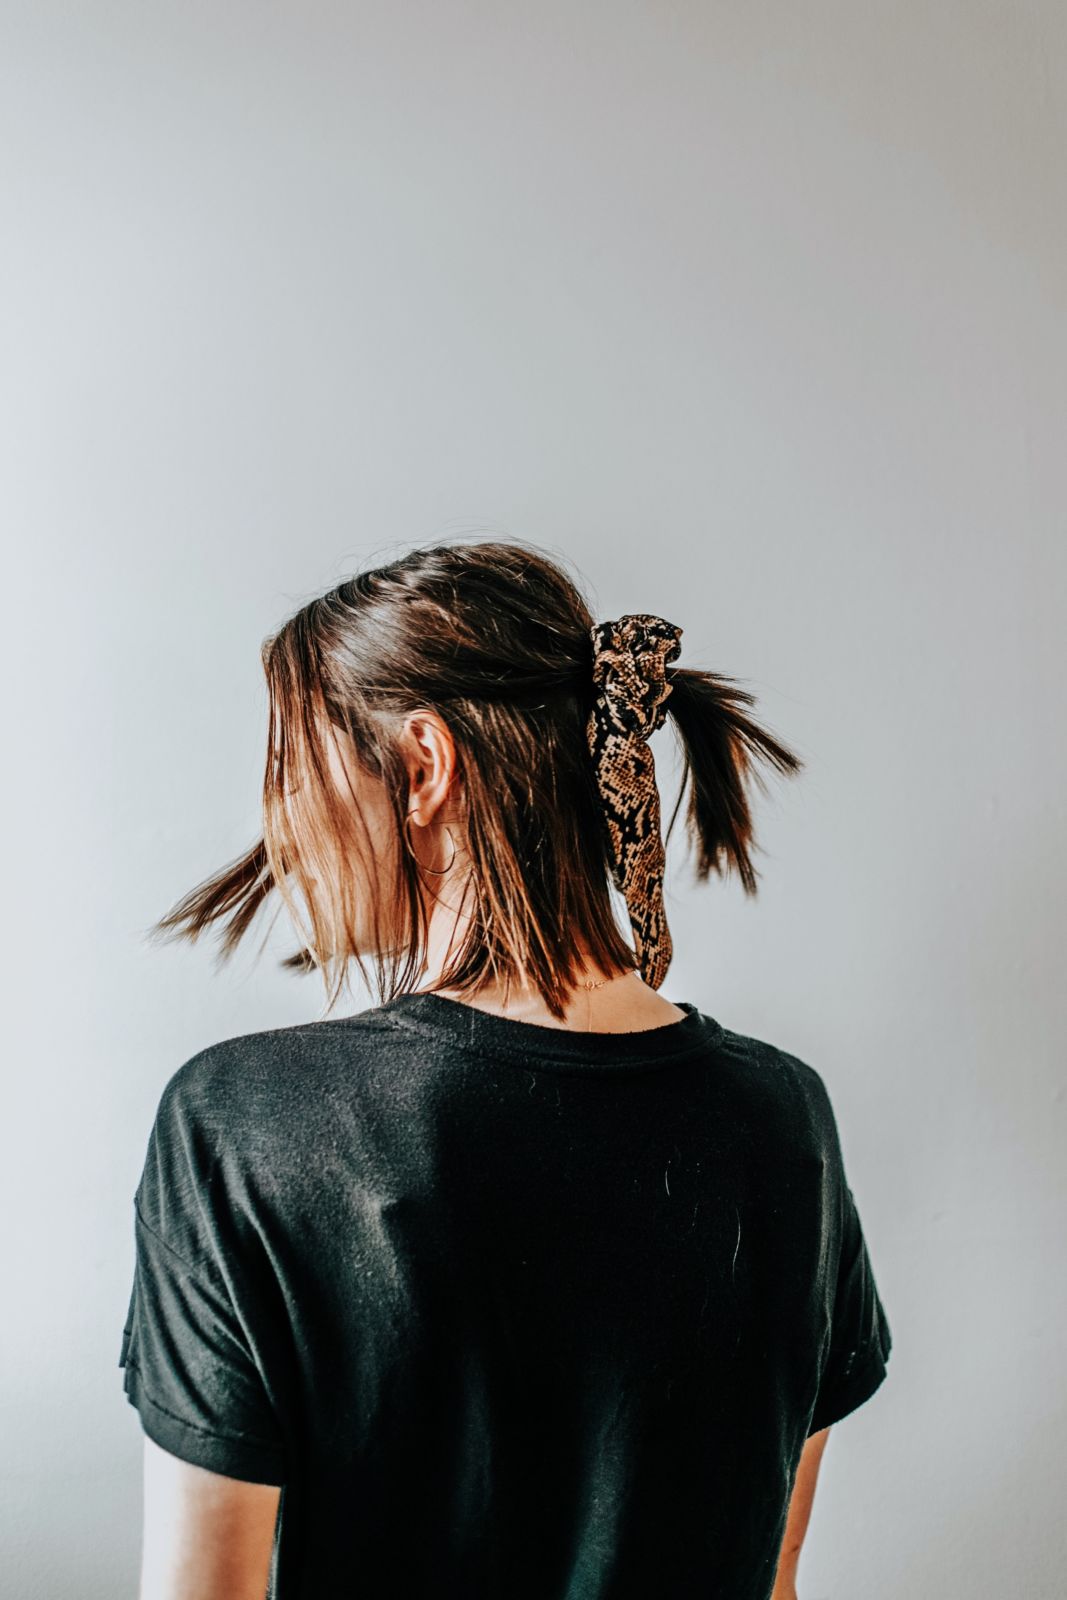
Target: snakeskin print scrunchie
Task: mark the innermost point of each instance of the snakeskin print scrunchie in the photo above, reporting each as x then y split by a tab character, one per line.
630	659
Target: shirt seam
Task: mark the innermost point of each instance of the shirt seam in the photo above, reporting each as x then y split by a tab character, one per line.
561	1063
195	1271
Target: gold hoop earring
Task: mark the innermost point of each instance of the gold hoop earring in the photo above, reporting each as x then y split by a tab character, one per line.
437	871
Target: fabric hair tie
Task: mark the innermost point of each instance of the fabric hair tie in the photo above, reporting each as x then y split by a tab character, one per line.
630	657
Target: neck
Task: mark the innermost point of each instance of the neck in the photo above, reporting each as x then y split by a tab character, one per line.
609	1002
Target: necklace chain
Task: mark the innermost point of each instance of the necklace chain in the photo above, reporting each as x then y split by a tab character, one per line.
589	983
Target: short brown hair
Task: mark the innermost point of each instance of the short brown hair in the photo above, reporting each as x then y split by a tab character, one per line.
495	636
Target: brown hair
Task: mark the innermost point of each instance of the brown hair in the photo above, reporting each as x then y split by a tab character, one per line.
495	636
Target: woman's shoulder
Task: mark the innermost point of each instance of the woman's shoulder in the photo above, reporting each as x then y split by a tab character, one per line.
785	1077
241	1062
249	1102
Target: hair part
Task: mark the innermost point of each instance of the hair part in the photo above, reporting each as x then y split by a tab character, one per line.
495	637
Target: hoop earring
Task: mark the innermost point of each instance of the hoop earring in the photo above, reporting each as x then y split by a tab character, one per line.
437	871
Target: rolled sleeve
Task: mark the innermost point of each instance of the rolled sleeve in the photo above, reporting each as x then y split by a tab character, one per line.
860	1337
188	1369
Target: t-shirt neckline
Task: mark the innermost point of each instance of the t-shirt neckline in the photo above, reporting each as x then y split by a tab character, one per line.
487	1033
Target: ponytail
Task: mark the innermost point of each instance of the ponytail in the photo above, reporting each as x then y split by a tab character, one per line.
721	743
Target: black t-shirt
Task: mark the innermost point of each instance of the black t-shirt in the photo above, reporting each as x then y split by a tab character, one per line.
508	1310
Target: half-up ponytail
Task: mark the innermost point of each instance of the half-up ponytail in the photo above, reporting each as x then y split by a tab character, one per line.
496	638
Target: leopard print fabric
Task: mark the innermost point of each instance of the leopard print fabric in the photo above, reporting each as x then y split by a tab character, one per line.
630	659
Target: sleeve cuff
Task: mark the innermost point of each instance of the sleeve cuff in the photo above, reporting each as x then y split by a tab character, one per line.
249	1460
845	1398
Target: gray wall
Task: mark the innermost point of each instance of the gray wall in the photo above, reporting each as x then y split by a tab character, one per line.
756	315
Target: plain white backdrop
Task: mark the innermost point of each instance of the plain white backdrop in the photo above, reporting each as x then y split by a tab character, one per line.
755	315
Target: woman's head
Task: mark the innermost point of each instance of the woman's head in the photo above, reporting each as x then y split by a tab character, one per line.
428	767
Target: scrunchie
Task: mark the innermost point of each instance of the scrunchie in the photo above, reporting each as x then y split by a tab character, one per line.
630	659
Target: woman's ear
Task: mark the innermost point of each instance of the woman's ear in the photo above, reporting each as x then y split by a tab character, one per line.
430	757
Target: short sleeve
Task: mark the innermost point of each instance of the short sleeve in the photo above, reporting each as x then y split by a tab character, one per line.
188	1371
860	1338
190	1368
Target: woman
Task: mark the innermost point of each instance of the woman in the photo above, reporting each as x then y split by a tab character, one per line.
526	1281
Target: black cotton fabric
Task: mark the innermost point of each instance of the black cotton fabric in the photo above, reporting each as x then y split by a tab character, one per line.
508	1310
